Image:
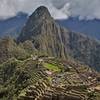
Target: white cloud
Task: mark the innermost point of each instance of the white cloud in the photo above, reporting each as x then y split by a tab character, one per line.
60	9
85	9
9	8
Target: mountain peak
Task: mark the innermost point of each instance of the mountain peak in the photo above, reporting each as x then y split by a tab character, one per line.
41	12
39	22
42	8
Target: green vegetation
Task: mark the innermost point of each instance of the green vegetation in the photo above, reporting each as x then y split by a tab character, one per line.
16	75
18	70
49	79
52	67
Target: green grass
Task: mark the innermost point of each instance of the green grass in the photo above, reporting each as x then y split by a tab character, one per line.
97	95
49	79
52	67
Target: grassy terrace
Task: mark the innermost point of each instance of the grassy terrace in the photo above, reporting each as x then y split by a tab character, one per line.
52	67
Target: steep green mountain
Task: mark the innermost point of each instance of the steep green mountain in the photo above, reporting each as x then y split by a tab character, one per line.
48	37
9	49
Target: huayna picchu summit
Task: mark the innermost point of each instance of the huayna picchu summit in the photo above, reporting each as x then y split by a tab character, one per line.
39	18
49	62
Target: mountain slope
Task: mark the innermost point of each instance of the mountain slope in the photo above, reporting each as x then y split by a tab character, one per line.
48	37
9	49
87	27
32	79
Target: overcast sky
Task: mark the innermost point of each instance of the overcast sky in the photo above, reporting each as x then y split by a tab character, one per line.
60	9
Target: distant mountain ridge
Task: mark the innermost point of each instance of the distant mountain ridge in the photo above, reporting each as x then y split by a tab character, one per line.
48	37
87	27
12	26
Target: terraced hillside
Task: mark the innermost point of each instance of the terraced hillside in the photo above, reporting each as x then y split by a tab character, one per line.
46	78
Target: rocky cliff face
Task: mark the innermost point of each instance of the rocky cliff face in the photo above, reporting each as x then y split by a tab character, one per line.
44	33
48	37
